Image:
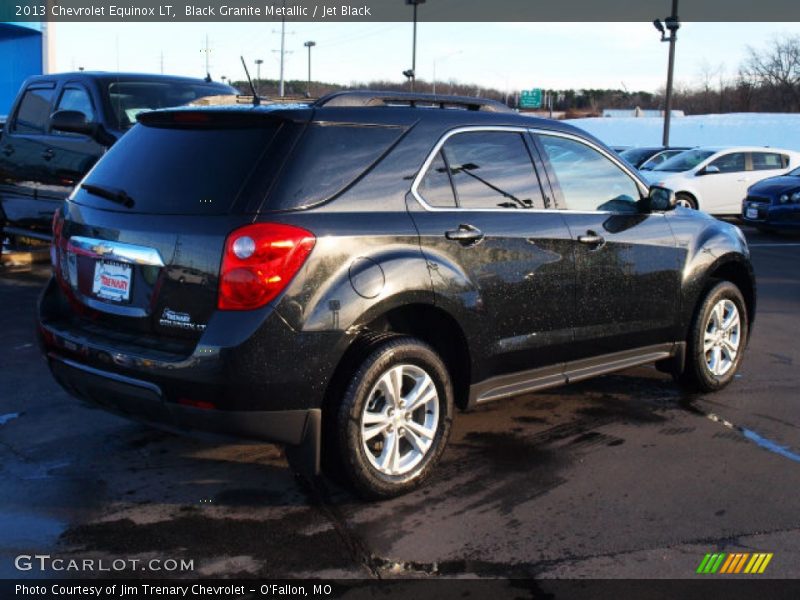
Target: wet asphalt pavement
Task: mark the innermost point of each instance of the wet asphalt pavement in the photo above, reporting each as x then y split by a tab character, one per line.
621	476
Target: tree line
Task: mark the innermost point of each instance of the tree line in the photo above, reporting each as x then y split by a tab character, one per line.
768	80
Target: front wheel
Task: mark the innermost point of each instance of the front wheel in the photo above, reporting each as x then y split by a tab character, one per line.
716	340
394	419
685	200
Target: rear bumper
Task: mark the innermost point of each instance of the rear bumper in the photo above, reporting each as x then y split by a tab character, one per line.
144	401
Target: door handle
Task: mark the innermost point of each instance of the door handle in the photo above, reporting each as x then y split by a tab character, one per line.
8	150
465	234
48	154
592	239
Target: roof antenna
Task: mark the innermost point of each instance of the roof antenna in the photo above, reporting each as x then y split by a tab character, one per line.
256	99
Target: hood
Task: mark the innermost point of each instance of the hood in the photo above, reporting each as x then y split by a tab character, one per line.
775	185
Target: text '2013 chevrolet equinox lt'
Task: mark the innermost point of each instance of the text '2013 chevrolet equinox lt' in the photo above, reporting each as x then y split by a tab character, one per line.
337	277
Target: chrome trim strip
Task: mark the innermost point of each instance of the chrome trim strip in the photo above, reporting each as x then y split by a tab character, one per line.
108	375
118	251
426	165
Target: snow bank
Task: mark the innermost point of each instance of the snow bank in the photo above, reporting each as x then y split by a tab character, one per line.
735	129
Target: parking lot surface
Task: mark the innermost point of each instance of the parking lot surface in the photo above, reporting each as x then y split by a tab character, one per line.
620	476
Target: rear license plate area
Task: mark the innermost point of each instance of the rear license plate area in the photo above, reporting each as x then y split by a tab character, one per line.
112	281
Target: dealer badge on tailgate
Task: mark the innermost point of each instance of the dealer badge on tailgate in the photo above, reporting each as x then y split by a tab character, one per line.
112	281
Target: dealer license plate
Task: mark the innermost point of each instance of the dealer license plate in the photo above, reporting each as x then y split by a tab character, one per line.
112	281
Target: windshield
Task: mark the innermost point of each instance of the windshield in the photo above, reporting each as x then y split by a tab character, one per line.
795	173
129	98
684	161
636	156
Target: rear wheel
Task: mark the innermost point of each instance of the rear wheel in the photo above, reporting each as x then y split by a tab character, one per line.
716	340
686	200
394	418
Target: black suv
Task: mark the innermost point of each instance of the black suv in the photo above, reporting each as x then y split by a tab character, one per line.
337	277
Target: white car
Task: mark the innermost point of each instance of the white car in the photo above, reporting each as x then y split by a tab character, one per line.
715	179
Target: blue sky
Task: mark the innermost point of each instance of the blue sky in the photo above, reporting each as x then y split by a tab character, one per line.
502	55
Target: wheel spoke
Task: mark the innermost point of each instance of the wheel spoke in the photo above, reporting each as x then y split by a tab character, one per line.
730	348
388	458
396	377
371	418
716	360
420	444
732	322
386	386
719	313
420	430
424	391
708	343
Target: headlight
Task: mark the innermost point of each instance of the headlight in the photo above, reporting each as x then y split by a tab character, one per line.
784	198
796	196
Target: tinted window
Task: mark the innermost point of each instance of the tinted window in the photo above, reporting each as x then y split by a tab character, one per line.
636	156
436	188
764	161
129	98
75	98
492	169
588	180
34	111
685	161
180	171
659	158
327	159
729	163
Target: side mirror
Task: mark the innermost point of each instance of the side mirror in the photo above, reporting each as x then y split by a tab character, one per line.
709	170
661	199
71	121
74	121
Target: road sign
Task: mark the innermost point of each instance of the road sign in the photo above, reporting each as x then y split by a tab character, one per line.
530	98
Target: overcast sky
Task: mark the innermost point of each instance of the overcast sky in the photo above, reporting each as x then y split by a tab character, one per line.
502	55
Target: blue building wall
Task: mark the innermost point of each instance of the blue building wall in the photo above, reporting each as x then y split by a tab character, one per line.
20	57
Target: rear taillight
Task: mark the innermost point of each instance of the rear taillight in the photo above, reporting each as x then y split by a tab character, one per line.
259	261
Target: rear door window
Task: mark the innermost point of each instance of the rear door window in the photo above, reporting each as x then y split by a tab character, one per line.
766	161
34	110
492	170
436	188
730	163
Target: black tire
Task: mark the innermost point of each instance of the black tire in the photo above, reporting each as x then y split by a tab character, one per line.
697	375
688	199
410	356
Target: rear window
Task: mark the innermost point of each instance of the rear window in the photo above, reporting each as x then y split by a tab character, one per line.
181	171
329	158
129	98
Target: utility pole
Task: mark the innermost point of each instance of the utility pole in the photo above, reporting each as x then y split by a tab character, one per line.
207	52
259	62
673	25
412	73
309	44
283	45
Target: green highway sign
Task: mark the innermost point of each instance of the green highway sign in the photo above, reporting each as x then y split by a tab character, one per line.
530	98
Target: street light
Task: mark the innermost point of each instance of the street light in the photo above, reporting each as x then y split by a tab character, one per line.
309	44
672	24
438	58
259	62
412	72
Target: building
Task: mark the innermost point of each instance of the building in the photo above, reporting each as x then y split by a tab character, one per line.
26	49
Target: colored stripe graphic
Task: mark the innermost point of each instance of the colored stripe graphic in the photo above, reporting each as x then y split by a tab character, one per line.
737	562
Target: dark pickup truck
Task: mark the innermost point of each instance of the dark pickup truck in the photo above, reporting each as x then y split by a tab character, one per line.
61	124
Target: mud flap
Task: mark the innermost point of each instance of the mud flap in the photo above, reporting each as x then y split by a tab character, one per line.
304	458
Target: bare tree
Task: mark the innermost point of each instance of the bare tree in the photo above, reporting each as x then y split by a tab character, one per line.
777	70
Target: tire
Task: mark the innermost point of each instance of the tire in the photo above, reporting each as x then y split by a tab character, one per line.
717	339
418	436
686	200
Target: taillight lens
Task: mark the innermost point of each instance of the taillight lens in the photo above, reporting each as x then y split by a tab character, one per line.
259	262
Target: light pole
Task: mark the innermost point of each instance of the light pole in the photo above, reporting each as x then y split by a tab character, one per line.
259	62
673	25
309	44
412	73
438	58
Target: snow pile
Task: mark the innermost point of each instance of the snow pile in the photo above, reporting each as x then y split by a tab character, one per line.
736	129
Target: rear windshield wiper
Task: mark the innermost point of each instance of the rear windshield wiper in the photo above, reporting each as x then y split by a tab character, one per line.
118	196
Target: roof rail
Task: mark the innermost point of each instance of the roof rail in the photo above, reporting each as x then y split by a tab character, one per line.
359	98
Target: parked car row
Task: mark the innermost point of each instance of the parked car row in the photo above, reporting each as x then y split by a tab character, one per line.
760	184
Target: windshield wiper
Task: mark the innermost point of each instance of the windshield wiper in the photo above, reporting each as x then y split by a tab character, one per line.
118	196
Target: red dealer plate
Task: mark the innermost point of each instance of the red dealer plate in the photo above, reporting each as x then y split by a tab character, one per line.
112	281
